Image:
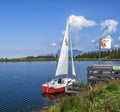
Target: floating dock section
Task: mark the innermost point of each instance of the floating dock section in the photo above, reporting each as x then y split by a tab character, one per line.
77	87
102	73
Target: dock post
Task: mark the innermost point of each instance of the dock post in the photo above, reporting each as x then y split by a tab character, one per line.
66	89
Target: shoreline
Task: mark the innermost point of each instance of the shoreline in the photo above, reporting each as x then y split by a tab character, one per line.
99	98
51	59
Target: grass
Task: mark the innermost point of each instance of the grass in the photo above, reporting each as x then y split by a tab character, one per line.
103	98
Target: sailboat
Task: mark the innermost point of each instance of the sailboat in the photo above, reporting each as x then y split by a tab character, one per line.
58	85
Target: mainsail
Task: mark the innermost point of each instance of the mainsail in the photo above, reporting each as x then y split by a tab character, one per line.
62	68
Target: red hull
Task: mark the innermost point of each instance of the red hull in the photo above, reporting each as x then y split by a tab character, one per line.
52	90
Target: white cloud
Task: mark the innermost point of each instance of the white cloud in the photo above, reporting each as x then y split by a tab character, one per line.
76	24
53	44
109	26
116	46
109	37
79	22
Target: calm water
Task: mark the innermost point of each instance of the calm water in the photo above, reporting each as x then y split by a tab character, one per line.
20	83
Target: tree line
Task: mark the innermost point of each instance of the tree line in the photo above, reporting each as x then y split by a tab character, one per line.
106	54
29	58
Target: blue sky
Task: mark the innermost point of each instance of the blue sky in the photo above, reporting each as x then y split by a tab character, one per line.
35	27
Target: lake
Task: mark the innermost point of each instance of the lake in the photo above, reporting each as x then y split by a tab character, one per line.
20	83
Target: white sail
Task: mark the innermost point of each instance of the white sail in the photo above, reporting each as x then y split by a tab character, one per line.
73	68
62	67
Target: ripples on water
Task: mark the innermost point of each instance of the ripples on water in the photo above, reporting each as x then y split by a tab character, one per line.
20	83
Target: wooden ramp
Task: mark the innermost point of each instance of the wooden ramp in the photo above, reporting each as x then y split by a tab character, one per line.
77	87
71	92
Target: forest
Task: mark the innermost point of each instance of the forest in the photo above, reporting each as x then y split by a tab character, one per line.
113	54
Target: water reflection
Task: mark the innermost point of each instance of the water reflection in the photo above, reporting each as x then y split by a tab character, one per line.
51	99
53	96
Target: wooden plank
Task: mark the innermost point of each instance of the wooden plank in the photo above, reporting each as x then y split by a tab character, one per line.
71	92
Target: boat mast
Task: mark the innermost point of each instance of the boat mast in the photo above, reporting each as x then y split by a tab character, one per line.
73	68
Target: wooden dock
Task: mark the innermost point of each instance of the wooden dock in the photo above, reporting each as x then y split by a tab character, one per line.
102	73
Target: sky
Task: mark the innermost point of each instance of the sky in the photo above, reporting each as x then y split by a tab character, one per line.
36	27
